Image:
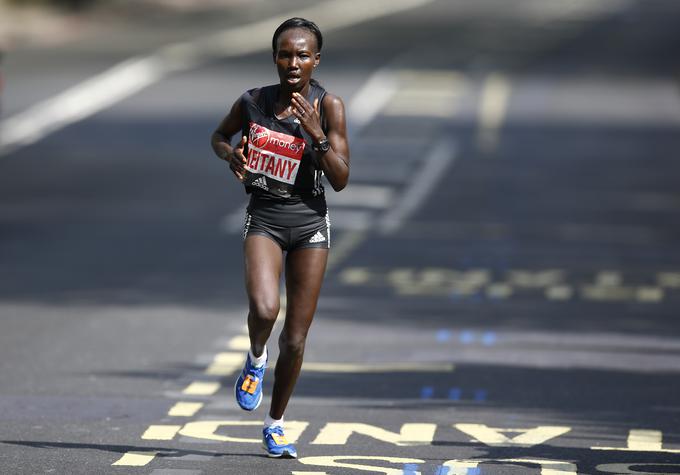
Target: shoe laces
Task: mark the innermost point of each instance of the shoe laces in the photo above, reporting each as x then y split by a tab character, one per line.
250	384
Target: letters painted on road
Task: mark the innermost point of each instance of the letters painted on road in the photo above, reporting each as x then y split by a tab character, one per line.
337	433
642	440
548	467
335	461
527	437
207	430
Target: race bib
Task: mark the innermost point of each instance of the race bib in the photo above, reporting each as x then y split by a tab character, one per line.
273	154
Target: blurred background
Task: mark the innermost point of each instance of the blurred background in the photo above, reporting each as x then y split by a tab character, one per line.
507	252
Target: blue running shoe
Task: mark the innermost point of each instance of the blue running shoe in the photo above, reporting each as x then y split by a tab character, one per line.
276	444
248	387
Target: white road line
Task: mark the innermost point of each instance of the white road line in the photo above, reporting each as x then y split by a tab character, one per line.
370	99
131	76
493	104
442	154
363	196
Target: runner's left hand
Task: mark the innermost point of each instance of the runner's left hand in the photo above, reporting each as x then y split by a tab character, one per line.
308	115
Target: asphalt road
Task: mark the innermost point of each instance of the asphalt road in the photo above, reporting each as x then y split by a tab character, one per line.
505	272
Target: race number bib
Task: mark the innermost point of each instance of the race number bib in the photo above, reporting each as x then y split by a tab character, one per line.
272	154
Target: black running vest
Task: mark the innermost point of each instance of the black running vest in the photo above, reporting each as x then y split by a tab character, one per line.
280	162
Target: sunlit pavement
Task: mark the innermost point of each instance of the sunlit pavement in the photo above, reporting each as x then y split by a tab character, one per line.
504	277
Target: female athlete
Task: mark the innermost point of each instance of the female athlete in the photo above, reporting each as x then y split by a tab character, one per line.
291	133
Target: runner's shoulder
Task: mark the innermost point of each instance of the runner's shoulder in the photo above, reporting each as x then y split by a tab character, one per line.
332	101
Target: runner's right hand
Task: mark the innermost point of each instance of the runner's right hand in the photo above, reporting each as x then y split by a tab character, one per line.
237	161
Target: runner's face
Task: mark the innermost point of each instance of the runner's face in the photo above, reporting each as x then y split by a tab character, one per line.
296	57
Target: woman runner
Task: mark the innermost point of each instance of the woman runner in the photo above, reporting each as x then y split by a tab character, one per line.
291	133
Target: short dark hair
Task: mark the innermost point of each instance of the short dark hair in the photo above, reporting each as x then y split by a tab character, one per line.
298	22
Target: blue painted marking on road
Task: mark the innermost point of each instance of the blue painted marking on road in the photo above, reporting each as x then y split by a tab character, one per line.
410	469
426	392
443	335
455	394
474	471
489	338
480	395
466	337
441	470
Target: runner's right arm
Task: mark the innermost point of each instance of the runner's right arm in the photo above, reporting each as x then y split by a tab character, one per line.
220	141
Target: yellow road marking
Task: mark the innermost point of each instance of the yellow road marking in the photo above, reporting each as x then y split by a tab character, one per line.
669	279
337	433
499	291
185	409
649	294
226	363
135	459
378	368
495	94
239	342
202	388
207	430
608	278
160	432
493	436
642	440
559	292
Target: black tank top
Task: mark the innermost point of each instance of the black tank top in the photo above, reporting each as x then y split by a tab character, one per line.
280	162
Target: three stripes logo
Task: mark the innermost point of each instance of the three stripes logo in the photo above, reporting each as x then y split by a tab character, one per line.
318	237
260	183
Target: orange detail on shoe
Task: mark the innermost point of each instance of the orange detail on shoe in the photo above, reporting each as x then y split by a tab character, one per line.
280	439
250	384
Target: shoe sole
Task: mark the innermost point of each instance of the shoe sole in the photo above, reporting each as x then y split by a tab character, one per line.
257	404
284	455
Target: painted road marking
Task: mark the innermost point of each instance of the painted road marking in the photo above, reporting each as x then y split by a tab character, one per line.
410	434
433	170
559	292
133	75
185	409
226	364
161	432
136	459
642	440
202	388
207	430
472	283
527	437
240	343
548	467
492	107
336	461
649	294
426	93
424	367
365	196
499	291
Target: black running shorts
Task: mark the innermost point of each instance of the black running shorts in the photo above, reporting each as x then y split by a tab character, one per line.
292	225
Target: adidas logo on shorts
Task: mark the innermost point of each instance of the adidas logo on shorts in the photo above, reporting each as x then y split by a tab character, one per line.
260	183
318	237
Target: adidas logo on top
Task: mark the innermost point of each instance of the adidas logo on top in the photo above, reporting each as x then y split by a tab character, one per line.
318	237
260	183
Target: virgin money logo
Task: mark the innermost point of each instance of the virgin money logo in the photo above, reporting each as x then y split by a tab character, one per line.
259	136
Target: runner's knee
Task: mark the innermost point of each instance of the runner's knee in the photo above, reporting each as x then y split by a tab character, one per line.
265	310
292	343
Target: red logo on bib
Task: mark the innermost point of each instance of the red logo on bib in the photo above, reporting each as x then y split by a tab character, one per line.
259	136
274	154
